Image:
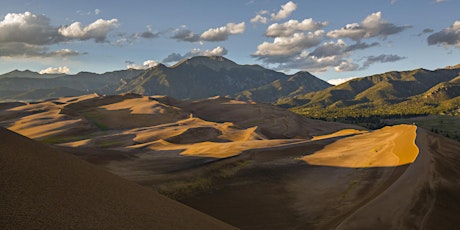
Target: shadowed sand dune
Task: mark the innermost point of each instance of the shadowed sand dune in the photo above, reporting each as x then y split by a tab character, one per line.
41	187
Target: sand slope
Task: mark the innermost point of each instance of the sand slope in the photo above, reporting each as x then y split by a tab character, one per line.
41	187
387	147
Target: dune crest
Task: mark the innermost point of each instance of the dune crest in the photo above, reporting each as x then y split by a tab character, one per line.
387	147
341	133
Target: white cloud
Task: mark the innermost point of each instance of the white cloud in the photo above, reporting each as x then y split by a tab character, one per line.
97	30
184	34
447	37
97	11
371	26
28	28
147	64
218	51
346	66
383	58
292	26
55	70
289	46
285	11
64	53
222	33
259	19
339	81
175	57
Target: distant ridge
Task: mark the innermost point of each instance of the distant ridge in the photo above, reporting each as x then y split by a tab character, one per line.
388	88
194	78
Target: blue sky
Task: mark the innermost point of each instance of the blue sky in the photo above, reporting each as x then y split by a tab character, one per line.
333	39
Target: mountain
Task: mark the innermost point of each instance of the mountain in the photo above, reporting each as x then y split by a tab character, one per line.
411	90
27	85
194	78
28	74
297	84
43	187
202	77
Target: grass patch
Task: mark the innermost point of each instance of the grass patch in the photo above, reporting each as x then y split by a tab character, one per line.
233	169
181	189
95	118
107	143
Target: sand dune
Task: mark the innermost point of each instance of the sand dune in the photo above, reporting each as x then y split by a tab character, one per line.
250	164
273	122
340	133
43	188
387	147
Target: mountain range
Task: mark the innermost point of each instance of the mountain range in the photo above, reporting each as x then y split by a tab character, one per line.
414	91
194	78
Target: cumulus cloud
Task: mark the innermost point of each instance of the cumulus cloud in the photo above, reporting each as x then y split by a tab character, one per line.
19	49
97	30
186	35
28	28
371	26
147	64
55	70
329	49
30	35
285	11
339	81
335	55
361	46
175	57
346	66
292	26
63	53
283	47
447	37
218	51
147	34
259	19
383	58
222	33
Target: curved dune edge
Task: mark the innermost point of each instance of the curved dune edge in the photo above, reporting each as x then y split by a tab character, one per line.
341	133
387	147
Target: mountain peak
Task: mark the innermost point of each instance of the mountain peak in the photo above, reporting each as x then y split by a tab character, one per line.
453	67
213	62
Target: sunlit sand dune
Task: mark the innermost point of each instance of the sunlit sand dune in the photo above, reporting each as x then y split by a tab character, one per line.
341	133
387	147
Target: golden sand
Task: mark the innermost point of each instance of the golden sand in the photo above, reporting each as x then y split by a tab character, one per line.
387	147
341	133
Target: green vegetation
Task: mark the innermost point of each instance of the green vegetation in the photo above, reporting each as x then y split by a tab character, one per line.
95	118
442	118
181	189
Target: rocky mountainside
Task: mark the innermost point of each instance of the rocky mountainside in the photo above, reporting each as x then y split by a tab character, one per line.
194	78
417	91
202	77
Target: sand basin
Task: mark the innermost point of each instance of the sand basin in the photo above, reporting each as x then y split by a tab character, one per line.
387	147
